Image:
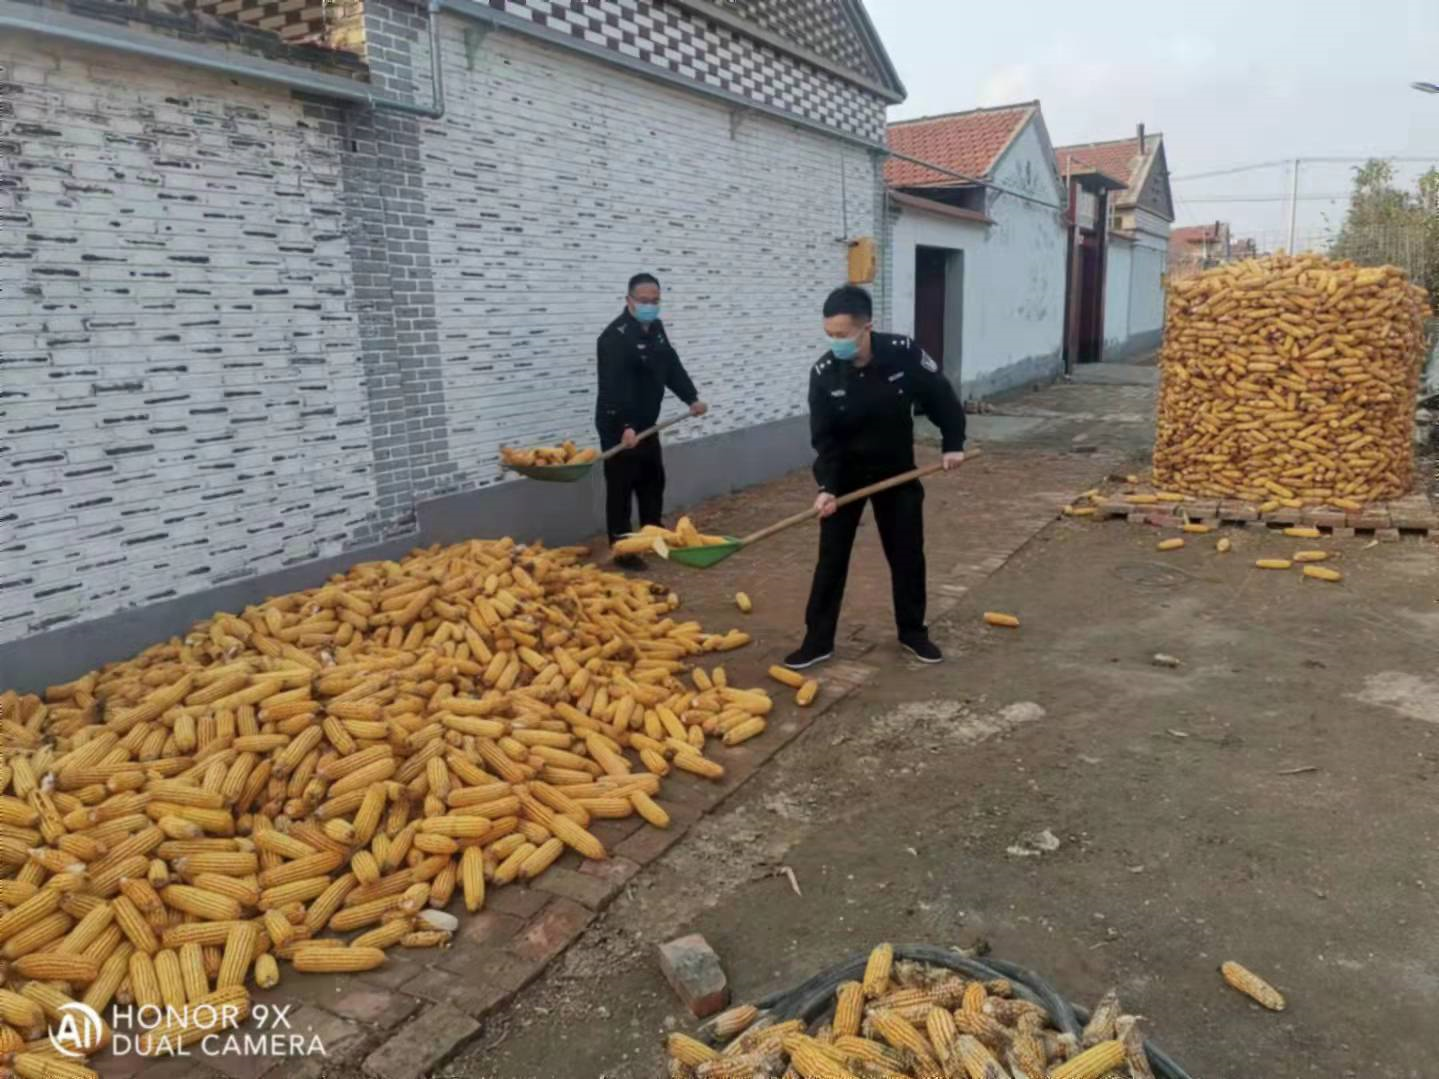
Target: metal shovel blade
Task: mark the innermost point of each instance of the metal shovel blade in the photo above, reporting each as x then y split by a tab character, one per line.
554	473
703	557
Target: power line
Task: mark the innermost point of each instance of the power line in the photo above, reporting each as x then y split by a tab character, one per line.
1270	198
1305	161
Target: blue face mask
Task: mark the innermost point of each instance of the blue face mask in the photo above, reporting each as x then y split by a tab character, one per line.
844	348
647	312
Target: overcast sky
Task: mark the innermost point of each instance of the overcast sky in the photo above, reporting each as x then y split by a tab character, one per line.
1228	82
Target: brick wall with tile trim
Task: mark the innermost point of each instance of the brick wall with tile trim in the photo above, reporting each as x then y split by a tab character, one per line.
180	397
552	179
289	357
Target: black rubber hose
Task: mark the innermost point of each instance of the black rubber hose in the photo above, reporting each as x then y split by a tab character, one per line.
813	999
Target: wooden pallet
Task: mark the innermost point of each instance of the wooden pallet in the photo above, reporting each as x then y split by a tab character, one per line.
1412	516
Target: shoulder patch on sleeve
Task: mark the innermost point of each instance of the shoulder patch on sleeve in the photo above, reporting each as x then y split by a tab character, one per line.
928	363
820	367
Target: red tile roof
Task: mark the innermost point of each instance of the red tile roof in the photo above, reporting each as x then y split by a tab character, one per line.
1118	159
967	142
1190	234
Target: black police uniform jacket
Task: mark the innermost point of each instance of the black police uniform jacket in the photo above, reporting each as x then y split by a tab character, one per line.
862	418
635	369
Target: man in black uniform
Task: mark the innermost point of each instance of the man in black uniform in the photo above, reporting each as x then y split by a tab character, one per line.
862	395
636	365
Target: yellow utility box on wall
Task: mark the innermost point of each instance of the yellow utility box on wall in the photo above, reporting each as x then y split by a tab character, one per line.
861	260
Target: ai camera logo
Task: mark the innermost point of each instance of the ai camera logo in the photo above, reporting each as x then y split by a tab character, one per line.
80	1026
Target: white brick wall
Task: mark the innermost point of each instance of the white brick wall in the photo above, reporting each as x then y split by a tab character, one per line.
180	397
554	178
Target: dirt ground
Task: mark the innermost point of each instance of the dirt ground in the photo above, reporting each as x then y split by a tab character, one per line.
1271	800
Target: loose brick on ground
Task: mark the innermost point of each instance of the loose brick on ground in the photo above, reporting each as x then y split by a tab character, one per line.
693	970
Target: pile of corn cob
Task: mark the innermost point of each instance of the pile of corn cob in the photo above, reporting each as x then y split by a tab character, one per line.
925	1022
1292	379
336	761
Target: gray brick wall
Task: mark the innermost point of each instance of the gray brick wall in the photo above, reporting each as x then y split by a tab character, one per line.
240	331
181	401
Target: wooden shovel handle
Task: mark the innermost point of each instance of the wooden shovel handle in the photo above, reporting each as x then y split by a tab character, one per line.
656	429
844	500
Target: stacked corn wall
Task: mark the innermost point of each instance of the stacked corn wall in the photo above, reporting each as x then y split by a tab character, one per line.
1291	379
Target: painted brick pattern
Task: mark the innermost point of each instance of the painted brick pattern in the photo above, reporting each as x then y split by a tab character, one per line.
180	398
678	41
317	21
552	180
819	25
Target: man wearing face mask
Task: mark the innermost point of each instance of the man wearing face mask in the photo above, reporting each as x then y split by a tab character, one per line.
637	364
862	395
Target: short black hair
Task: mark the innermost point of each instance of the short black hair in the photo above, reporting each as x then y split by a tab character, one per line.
643	279
849	300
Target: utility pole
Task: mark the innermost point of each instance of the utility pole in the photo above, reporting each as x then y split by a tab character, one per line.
1293	205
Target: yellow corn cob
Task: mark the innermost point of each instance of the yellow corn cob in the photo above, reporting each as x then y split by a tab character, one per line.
974	997
267	972
202	904
1169	544
384	936
21	1013
338	960
46	931
977	1061
29	912
42	1065
425	938
1252	986
998	618
1303	532
807	693
1311	556
688	1051
812	1063
1273	563
1197	528
144	983
848	1008
57	967
787	677
986	1028
1093	1063
877	970
742	601
240	950
472	878
172	982
1323	573
901	1034
943	1034
1224	545
134	925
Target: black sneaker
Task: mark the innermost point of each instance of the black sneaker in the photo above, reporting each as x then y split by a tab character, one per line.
630	561
807	655
922	648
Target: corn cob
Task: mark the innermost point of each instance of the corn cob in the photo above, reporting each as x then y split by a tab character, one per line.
170	978
1224	545
1252	986
1323	573
1093	1063
902	1034
220	1010
57	967
811	1063
877	970
1273	563
1169	544
976	1061
943	1034
338	960
998	618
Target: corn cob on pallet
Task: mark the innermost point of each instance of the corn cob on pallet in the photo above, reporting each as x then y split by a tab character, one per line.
313	779
1413	516
901	1018
1291	378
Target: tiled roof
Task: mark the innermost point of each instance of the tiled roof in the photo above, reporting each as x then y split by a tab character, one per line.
1118	159
968	142
1191	234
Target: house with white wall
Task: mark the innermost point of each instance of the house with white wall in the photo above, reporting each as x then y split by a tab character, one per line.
977	265
276	285
1137	242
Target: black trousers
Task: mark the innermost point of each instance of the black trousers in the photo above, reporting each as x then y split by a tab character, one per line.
899	514
636	475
